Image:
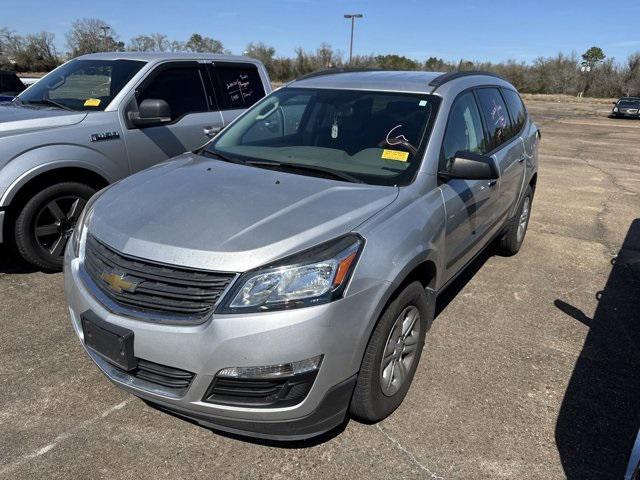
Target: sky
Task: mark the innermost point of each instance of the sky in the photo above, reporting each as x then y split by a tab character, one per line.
451	29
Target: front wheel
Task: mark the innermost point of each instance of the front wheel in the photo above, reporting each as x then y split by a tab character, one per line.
392	355
46	222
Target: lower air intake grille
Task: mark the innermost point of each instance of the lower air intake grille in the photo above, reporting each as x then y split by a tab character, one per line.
271	393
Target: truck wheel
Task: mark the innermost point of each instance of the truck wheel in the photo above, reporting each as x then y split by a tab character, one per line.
512	240
392	356
47	221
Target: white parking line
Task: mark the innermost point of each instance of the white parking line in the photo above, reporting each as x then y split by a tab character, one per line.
60	438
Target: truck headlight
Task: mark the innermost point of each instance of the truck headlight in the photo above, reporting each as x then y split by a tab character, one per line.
312	277
615	109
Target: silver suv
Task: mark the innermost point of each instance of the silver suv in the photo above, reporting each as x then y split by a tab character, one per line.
99	118
287	273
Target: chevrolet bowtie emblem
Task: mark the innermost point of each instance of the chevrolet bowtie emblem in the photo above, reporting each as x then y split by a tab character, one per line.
117	282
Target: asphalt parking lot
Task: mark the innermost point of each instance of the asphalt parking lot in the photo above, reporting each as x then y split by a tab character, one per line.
531	369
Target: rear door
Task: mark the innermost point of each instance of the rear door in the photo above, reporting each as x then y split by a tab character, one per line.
506	148
193	114
236	86
467	202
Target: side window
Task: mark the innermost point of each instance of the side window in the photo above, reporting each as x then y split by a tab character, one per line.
181	88
495	116
464	130
237	85
516	110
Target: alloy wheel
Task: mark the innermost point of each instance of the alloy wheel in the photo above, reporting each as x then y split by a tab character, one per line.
400	350
55	222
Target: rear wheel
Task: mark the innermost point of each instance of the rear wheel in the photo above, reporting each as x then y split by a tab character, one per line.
512	240
46	222
392	355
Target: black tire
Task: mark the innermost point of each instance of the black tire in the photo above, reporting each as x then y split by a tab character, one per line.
46	250
510	243
369	403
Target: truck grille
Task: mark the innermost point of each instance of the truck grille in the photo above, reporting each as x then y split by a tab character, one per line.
150	287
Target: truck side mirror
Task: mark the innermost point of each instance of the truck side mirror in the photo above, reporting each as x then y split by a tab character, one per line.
151	112
471	166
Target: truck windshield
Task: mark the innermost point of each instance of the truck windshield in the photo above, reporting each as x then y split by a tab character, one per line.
363	136
82	84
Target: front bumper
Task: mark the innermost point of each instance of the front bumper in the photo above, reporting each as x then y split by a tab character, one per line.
633	114
2	216
338	330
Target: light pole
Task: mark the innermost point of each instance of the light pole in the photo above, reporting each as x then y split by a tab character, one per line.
105	29
353	17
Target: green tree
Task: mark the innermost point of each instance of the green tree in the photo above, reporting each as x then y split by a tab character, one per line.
198	43
593	57
396	62
261	52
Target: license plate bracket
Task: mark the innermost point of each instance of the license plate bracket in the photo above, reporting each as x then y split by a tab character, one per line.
112	342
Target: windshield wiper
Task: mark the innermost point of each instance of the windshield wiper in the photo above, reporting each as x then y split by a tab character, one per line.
48	101
309	168
223	157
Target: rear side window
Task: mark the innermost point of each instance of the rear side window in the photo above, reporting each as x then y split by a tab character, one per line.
495	116
180	87
464	130
237	85
516	110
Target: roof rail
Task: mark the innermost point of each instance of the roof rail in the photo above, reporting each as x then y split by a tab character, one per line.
333	70
447	77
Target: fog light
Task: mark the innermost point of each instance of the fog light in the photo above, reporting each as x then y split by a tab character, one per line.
273	371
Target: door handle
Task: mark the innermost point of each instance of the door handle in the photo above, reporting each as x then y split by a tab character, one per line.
211	131
522	158
492	183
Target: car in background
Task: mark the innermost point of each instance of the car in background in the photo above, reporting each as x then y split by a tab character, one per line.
99	118
628	107
286	273
10	85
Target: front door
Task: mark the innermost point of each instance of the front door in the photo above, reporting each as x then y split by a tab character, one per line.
193	115
468	203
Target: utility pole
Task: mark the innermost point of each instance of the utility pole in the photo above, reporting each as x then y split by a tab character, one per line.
105	29
353	17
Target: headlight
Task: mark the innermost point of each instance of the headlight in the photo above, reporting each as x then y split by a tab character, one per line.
615	109
318	275
79	232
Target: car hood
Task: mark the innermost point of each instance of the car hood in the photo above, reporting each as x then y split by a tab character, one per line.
205	213
15	118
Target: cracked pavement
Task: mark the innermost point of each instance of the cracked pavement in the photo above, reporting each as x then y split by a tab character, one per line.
530	369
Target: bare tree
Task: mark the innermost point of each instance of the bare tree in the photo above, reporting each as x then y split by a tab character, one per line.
156	42
90	35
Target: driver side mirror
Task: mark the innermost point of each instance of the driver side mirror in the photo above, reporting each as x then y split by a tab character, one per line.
471	166
151	112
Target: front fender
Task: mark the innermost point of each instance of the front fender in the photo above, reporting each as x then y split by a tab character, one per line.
28	165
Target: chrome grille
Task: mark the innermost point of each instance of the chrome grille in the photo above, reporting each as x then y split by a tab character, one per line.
179	292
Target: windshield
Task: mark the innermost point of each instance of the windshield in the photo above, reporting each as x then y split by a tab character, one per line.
629	102
370	137
82	84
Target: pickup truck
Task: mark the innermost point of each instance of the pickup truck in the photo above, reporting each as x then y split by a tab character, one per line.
99	118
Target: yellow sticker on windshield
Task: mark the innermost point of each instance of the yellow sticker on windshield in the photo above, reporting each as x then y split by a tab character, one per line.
92	102
395	155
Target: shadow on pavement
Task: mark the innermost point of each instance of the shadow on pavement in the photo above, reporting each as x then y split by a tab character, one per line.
600	413
11	262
